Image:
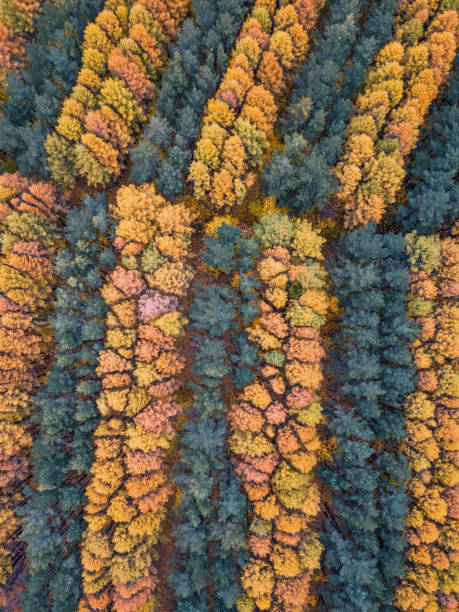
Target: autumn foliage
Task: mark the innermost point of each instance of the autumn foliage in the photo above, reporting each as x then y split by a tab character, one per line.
16	25
433	428
399	89
239	120
28	214
129	488
274	437
228	363
124	53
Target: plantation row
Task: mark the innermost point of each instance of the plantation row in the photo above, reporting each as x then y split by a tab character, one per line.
239	120
64	408
228	284
29	219
123	56
432	426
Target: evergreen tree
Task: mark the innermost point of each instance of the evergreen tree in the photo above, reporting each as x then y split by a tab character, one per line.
211	518
432	194
372	373
66	414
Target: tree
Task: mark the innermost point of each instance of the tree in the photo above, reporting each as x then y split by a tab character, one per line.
29	216
212	511
273	448
138	367
124	52
429	427
245	105
373	185
17	26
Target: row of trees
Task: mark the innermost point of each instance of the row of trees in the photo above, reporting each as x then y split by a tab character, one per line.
320	104
211	527
274	436
198	60
431	191
372	372
138	367
35	93
239	120
28	221
399	88
432	564
124	54
66	413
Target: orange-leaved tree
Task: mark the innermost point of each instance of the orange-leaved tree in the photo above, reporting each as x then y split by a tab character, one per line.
124	54
274	439
29	215
129	488
239	119
431	446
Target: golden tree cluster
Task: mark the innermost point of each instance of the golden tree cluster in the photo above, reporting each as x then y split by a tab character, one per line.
124	54
399	89
129	489
239	119
274	437
432	443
